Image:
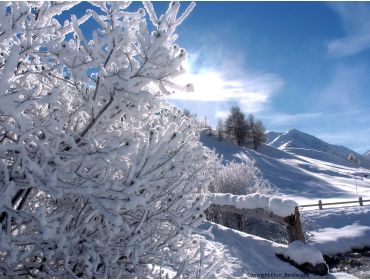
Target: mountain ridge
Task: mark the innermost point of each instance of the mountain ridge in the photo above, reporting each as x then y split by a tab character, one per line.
367	155
271	135
294	138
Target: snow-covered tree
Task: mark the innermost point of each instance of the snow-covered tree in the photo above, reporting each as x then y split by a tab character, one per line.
99	176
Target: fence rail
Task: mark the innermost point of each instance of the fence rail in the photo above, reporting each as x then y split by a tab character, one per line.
320	204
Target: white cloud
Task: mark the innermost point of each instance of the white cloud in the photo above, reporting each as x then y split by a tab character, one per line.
350	45
252	91
291	119
355	18
221	114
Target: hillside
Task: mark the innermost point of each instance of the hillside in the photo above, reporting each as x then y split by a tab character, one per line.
332	231
367	155
272	135
305	175
297	139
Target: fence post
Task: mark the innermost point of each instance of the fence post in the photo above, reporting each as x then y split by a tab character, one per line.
320	204
294	227
298	226
360	201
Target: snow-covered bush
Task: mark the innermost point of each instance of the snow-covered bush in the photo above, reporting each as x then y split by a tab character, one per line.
99	176
239	178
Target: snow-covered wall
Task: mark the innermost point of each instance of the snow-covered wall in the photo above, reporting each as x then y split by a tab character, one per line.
276	205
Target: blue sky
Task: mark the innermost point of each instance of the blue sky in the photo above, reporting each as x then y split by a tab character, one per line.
303	65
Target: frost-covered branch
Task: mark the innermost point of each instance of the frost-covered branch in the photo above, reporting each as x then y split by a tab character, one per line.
92	167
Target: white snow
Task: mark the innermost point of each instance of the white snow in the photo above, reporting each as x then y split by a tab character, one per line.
294	138
282	207
339	230
272	135
303	253
85	128
303	175
276	205
118	168
249	256
367	154
337	240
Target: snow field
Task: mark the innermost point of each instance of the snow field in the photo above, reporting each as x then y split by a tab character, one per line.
302	175
339	230
249	256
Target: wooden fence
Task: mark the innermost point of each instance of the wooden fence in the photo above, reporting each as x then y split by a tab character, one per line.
320	204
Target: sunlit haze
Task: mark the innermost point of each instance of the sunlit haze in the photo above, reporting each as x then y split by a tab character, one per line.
294	65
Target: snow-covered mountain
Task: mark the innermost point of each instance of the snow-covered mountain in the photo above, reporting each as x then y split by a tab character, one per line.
367	155
272	135
295	139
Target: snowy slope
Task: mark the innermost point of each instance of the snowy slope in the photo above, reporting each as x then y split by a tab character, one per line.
249	256
337	230
272	135
304	175
297	139
367	155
